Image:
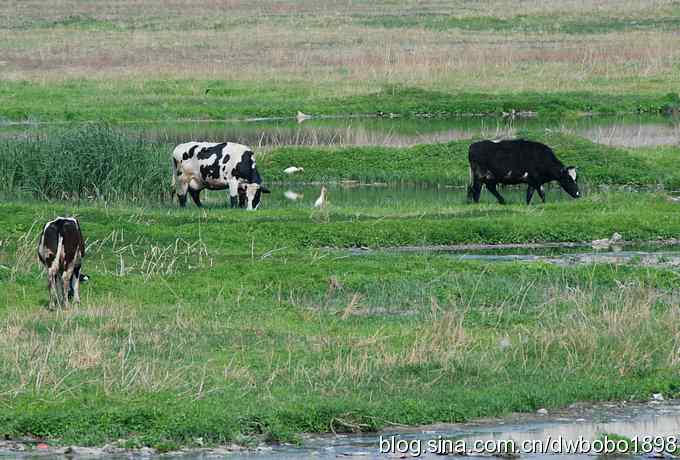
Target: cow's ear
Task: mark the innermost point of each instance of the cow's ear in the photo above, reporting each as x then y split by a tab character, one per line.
264	189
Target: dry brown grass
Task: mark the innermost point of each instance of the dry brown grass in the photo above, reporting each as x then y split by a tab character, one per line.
324	44
119	350
114	346
619	329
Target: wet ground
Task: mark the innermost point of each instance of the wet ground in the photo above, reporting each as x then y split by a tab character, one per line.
629	131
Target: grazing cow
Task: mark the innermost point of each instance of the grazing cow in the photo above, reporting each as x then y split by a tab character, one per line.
199	165
516	162
61	250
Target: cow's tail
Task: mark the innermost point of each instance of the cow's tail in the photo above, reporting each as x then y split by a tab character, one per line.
174	179
469	189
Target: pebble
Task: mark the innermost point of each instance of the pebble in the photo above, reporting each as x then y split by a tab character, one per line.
542	411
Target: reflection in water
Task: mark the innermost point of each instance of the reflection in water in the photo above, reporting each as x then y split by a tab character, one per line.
619	130
633	135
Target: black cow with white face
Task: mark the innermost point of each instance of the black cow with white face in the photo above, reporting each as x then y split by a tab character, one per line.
517	162
217	166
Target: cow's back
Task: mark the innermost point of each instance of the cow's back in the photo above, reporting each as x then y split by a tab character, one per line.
510	155
61	238
208	160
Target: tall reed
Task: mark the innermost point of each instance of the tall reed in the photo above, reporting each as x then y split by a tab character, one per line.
93	162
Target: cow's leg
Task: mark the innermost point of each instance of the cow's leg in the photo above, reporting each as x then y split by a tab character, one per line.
60	295
491	186
52	290
530	193
475	190
196	196
233	192
541	193
74	291
66	278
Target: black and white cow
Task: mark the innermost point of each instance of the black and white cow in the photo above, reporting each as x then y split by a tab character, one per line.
515	162
61	250
228	165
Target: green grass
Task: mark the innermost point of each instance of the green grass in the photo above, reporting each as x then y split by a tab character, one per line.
242	327
532	24
448	164
83	100
192	327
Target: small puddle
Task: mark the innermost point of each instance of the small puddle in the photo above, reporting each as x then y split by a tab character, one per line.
649	254
656	259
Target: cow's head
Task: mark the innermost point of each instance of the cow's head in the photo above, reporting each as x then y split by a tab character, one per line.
567	180
249	195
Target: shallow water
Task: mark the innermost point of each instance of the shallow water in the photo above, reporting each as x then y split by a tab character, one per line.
646	258
632	131
654	419
379	196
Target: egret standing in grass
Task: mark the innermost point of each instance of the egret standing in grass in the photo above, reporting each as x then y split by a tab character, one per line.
322	200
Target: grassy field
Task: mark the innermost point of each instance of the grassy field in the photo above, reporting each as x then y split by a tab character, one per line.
216	325
234	326
228	326
133	60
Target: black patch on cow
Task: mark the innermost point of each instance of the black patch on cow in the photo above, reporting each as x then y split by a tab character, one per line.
225	158
211	171
190	153
207	152
242	198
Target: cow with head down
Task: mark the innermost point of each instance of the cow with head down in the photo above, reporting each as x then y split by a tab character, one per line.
517	161
217	166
